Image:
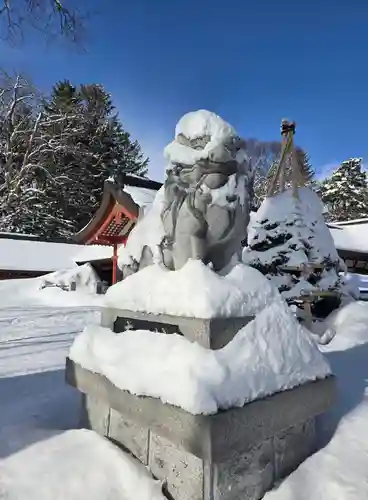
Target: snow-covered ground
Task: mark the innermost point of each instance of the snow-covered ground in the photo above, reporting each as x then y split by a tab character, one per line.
39	414
41	458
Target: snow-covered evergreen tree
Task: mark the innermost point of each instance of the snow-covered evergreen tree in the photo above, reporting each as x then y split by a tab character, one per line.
289	243
56	154
92	147
345	192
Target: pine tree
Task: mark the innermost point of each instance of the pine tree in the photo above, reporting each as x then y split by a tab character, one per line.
93	146
53	168
291	245
345	192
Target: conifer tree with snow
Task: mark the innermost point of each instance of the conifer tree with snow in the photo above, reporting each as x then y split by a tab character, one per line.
56	154
291	245
288	240
345	192
93	146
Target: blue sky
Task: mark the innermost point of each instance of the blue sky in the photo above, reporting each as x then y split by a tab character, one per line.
251	62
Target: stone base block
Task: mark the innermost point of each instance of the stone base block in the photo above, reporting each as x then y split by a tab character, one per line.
210	333
238	453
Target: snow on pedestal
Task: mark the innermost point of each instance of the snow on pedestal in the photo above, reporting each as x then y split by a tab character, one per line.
270	354
194	291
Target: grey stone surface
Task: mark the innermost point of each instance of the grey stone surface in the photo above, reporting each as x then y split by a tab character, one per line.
95	414
294	445
234	454
130	435
210	333
245	475
182	471
226	430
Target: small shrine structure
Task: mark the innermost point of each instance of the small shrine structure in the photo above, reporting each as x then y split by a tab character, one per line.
121	206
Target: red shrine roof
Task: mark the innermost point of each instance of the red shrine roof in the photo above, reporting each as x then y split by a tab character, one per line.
117	213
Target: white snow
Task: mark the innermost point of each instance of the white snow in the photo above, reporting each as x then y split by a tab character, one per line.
30	292
24	255
40	459
89	253
38	406
194	291
73	465
353	222
194	125
271	353
351	237
339	470
148	232
141	196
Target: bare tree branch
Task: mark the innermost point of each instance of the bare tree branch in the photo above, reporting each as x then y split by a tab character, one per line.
53	18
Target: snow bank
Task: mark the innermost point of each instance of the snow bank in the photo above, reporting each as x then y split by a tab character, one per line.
194	125
84	277
30	291
194	291
270	354
339	470
149	231
351	325
73	465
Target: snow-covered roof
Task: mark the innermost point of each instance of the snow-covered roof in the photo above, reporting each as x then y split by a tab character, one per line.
141	196
351	222
89	253
28	255
351	237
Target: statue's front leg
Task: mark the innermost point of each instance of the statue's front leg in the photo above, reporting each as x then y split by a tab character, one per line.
198	248
190	239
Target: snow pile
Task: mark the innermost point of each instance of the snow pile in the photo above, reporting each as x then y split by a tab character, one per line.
73	465
32	291
148	232
270	354
292	233
84	277
339	470
351	324
196	125
194	291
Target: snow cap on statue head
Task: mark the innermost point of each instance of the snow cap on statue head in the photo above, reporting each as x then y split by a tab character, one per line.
201	124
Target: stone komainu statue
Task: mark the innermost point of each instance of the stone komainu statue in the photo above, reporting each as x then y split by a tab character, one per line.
205	211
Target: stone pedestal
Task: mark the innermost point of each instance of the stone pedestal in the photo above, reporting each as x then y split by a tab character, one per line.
234	454
210	333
